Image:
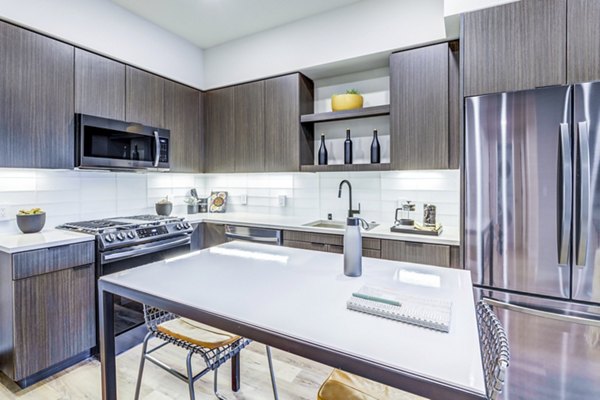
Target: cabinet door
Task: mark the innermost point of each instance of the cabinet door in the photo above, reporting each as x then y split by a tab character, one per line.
36	100
515	46
182	118
99	86
249	126
419	108
144	98
54	318
287	143
220	135
420	253
583	41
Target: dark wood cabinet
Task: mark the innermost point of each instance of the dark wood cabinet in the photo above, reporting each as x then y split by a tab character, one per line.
419	108
144	98
182	118
328	243
421	253
249	127
47	308
99	86
583	41
516	46
288	144
36	100
220	134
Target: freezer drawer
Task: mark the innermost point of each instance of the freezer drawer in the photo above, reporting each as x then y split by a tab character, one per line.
550	358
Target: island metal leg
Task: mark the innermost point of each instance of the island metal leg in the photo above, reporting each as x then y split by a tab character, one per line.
107	344
235	373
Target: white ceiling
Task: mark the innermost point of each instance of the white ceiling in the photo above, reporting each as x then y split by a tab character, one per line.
208	23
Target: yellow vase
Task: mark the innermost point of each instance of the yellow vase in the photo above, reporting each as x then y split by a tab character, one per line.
340	102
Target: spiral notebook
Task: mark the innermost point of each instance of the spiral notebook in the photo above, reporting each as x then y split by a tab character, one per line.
422	311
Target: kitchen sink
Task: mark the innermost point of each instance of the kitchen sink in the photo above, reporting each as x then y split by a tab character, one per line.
341	225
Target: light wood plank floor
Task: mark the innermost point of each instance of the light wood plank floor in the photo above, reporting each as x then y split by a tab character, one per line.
297	379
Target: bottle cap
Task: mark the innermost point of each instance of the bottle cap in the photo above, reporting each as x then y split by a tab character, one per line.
352	221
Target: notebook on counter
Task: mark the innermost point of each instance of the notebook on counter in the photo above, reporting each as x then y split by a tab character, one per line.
421	311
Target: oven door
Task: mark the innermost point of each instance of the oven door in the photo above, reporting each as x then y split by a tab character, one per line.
129	314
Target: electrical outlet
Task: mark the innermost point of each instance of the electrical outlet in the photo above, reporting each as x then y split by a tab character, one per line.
243	199
3	214
281	200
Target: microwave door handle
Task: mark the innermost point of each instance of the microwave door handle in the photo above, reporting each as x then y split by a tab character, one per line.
565	185
584	204
157	149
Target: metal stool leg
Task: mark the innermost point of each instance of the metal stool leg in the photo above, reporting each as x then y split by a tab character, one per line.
190	375
216	386
272	372
138	385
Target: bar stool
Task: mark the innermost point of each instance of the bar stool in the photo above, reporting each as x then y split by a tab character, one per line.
215	346
341	385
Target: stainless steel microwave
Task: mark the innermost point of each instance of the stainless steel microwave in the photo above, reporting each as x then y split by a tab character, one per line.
102	143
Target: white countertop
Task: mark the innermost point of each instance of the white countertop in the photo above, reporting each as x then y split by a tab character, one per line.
302	294
18	242
449	236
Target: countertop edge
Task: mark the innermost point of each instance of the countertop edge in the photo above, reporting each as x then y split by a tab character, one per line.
68	238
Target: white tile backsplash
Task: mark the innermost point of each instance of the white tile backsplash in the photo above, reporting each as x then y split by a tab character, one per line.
78	195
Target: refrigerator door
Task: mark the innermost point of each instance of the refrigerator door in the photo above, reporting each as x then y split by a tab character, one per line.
551	357
586	236
519	190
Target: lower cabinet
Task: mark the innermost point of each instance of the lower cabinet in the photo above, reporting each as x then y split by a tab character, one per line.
421	253
48	312
328	243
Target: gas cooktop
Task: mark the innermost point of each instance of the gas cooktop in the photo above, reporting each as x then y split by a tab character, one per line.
99	226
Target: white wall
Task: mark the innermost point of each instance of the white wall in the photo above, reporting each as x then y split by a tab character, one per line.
454	7
108	29
361	29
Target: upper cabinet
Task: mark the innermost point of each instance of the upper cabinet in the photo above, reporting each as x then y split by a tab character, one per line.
36	100
517	46
144	101
255	127
220	134
583	41
288	144
249	126
182	118
424	91
99	86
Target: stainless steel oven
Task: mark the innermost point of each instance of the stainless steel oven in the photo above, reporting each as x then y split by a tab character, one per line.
103	143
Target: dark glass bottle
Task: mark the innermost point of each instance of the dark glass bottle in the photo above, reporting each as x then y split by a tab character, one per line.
348	148
323	151
375	149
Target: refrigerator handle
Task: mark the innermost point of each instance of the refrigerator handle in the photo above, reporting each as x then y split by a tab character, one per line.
584	204
566	187
543	313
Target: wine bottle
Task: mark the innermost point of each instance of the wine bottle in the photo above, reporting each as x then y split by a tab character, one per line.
375	149
348	148
323	151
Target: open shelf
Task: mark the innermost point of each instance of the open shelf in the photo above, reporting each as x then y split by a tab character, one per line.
345	167
349	114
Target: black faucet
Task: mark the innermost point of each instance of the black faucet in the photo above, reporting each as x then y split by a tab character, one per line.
351	212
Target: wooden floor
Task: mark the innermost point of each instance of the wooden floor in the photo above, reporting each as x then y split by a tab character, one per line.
297	379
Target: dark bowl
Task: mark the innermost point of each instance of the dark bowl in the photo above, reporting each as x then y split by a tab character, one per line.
164	208
31	223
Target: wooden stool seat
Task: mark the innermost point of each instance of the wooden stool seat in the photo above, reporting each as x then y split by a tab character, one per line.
197	333
341	385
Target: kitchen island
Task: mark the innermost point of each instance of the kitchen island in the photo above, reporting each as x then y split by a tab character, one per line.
295	300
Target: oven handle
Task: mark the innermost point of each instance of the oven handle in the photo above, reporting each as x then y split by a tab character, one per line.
144	249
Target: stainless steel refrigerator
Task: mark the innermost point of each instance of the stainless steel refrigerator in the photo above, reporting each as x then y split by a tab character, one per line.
532	232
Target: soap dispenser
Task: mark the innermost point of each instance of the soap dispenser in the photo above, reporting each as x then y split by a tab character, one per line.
353	248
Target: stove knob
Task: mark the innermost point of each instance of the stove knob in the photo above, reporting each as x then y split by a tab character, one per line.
178	227
186	225
120	236
130	235
109	237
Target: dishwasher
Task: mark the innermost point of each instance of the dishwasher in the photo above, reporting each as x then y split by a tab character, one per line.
253	234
